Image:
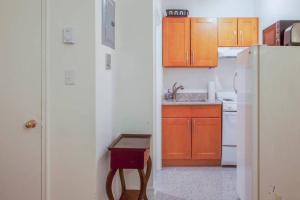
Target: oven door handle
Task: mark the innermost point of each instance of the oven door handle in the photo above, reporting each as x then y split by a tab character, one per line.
229	113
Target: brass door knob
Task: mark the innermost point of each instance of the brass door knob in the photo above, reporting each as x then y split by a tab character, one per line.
31	124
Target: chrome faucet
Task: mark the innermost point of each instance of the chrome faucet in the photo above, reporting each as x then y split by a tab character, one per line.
175	90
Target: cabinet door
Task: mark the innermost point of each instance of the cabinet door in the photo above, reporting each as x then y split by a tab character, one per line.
248	31
204	42
176	42
227	32
176	140
206	138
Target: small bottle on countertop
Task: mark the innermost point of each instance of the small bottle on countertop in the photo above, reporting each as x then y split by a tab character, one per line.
168	95
211	91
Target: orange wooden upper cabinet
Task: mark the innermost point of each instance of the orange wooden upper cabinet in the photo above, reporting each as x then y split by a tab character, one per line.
206	138
204	42
248	31
190	42
176	42
233	32
227	33
176	138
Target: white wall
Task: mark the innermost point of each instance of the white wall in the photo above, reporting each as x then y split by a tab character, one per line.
197	79
85	118
124	95
71	153
134	76
105	97
273	10
135	66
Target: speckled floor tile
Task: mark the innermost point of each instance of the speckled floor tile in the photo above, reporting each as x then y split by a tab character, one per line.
197	183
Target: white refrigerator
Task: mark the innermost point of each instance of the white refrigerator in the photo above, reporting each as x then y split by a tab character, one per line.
268	155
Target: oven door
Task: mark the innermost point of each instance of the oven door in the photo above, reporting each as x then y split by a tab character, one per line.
229	129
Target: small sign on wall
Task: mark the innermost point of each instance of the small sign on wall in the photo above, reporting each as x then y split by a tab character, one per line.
108	23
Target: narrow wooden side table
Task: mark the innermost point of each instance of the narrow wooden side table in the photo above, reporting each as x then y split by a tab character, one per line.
130	151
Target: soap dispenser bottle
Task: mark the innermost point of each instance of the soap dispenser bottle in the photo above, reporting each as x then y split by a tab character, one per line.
168	95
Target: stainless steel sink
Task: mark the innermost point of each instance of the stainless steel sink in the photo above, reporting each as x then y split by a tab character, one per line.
190	100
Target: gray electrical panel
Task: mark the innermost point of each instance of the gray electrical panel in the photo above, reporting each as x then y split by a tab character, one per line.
108	23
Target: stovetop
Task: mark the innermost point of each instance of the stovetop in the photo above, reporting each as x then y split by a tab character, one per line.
229	100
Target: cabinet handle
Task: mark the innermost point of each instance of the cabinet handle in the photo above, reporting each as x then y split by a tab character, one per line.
193	127
193	57
234	36
241	38
187	58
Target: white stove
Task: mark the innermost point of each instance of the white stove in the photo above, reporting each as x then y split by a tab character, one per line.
229	128
229	105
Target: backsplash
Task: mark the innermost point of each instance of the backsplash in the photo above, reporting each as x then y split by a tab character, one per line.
197	79
191	96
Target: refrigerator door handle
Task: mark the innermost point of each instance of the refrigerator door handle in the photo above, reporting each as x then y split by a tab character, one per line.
234	82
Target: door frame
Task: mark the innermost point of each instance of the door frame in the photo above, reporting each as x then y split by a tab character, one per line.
157	86
43	99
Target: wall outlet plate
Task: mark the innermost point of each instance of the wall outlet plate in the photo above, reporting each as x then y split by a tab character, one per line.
69	77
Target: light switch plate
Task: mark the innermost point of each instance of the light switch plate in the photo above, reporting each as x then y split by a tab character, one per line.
107	61
68	35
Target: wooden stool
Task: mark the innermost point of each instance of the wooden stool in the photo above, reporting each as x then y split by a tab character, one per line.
130	151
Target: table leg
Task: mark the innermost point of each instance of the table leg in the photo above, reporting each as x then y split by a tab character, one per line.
143	184
109	181
122	179
144	178
148	173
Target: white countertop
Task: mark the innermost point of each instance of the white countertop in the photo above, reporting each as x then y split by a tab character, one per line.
171	102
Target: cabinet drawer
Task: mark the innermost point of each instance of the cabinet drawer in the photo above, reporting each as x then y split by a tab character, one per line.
128	159
192	111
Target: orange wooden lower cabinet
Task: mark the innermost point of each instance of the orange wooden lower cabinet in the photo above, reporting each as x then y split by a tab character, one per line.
188	140
206	138
176	140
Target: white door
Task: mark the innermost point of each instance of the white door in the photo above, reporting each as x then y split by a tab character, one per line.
20	99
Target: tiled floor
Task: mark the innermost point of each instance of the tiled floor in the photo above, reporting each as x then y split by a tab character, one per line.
208	183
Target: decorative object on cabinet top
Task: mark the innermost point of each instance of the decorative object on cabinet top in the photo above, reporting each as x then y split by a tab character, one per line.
177	13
